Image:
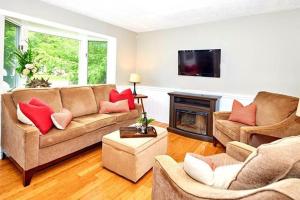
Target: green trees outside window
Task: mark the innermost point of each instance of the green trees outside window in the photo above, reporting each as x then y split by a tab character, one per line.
59	58
11	42
97	62
56	56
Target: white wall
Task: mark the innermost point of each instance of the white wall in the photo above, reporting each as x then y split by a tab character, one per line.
258	53
158	102
126	40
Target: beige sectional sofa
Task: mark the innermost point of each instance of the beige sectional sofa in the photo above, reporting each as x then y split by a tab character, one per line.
31	151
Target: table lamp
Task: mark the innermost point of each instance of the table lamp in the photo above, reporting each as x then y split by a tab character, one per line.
134	78
298	109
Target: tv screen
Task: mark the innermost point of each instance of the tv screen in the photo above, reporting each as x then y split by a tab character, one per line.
199	62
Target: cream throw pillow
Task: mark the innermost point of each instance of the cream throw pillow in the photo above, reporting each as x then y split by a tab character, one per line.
22	117
198	170
225	174
201	171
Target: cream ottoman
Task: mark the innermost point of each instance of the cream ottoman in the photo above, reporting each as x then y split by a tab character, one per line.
132	157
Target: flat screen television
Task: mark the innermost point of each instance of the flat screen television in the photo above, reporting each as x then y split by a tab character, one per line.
199	62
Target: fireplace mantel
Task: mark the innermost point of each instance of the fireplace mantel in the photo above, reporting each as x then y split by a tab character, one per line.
191	115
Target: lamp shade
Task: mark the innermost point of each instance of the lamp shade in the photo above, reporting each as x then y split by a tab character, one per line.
298	110
134	78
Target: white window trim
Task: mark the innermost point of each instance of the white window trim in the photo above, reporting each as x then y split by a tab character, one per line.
83	62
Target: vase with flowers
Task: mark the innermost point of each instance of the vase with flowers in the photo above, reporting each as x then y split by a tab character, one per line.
26	67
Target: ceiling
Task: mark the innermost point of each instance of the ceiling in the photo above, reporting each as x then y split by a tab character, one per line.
149	15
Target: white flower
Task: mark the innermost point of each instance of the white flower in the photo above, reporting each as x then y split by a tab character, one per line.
25	72
29	66
34	70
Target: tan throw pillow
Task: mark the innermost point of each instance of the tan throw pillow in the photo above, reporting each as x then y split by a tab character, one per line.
270	163
243	114
62	119
117	107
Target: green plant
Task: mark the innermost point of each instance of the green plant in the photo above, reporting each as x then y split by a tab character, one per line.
26	66
141	120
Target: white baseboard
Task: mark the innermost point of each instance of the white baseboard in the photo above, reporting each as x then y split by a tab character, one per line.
157	104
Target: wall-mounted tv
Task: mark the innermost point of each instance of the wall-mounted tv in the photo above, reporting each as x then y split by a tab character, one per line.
199	62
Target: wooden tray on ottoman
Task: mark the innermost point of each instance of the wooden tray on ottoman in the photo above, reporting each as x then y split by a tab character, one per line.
133	132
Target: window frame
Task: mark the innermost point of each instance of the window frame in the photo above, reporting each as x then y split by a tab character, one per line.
18	41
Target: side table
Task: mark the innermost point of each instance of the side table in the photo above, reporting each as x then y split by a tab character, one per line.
140	98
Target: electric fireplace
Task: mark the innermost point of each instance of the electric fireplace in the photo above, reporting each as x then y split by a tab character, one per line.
192	114
195	122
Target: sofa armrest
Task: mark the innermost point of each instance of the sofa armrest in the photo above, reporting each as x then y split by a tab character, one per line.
218	116
288	127
221	115
238	150
19	141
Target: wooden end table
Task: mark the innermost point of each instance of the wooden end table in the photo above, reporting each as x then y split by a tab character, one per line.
140	98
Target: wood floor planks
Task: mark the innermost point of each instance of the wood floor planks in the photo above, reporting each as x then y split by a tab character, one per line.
82	177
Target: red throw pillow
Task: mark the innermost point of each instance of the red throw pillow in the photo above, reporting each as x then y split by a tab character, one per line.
39	115
115	96
243	114
38	102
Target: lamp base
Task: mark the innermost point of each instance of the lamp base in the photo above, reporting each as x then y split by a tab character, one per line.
134	90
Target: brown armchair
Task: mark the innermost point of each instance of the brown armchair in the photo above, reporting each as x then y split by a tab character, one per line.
170	182
275	118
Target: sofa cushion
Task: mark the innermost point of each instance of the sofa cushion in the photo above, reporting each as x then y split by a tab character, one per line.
273	108
270	163
230	128
79	100
55	136
95	121
50	96
101	92
125	116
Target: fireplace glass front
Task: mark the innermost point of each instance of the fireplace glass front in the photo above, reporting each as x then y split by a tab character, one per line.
195	122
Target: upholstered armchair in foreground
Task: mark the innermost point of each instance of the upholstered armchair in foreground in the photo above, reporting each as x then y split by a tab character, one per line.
275	118
170	182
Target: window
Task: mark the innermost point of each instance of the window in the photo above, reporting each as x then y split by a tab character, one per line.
57	58
11	42
97	62
63	57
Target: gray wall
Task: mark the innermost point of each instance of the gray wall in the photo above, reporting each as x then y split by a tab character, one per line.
258	53
126	40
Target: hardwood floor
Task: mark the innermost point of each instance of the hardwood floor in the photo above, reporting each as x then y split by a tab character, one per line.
82	177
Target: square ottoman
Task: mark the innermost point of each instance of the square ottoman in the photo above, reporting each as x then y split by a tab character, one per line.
132	157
